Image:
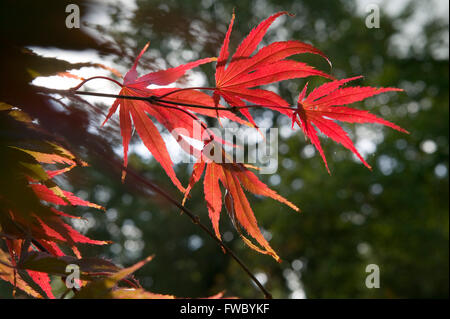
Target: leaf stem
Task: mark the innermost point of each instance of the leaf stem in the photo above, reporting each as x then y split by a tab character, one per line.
95	77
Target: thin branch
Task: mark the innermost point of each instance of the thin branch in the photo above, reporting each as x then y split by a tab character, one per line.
196	220
155	98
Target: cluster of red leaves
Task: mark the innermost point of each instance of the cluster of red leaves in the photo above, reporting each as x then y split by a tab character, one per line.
35	232
38	242
36	223
237	82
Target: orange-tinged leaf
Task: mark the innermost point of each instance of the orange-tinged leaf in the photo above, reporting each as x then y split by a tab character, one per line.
232	176
70	75
7	274
54	173
252	184
131	293
245	215
46	194
50	158
213	195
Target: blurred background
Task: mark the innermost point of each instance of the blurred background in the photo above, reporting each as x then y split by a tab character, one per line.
395	216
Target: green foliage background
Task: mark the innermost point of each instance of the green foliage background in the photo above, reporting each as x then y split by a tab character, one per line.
395	216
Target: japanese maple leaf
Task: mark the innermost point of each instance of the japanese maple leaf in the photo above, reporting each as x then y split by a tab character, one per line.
46	225
138	111
34	223
235	82
233	176
324	104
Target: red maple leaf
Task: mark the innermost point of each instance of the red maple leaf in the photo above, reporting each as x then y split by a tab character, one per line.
233	176
324	104
138	111
236	82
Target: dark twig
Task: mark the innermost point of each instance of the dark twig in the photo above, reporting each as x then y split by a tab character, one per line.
196	220
155	98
